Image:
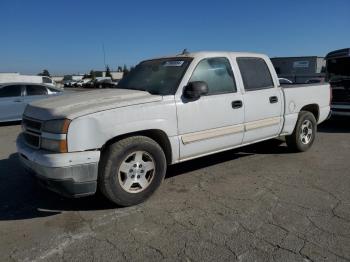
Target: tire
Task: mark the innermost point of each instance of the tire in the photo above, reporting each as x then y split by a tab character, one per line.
304	133
126	176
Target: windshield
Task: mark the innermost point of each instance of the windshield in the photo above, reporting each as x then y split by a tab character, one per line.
161	76
338	69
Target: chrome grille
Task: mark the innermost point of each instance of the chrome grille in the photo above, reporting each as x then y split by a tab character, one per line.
32	131
32	124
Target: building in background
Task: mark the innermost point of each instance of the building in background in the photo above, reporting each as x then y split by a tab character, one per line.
116	75
57	79
300	69
72	77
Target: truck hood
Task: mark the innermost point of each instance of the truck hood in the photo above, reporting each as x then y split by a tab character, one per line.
75	104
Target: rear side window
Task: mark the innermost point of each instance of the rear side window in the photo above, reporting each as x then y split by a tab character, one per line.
255	73
10	91
217	73
36	90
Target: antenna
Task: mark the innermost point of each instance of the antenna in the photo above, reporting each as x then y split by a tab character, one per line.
104	54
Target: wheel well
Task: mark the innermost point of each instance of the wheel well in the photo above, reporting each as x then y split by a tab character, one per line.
314	109
157	135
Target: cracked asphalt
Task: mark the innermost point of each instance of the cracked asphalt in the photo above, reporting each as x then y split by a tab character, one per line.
257	203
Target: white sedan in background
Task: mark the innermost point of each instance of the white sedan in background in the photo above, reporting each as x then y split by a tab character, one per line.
14	97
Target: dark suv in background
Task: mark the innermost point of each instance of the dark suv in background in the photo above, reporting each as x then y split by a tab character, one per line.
338	75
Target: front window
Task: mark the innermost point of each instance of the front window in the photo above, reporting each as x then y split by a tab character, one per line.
160	76
217	73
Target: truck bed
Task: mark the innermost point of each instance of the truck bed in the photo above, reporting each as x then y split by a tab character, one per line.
302	85
296	97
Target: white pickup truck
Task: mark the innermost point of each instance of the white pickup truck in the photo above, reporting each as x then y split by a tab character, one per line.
167	110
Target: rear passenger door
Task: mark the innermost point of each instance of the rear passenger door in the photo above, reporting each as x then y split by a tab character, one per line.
35	92
262	100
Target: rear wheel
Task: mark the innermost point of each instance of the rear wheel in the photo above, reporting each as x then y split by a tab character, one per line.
131	170
304	133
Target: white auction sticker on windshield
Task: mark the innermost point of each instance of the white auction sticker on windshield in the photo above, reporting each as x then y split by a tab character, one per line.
173	63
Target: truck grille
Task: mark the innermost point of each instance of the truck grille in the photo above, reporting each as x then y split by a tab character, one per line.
341	95
341	91
32	131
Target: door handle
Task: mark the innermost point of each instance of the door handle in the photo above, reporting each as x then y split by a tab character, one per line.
17	100
273	99
237	104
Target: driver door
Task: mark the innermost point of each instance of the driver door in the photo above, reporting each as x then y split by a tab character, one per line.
213	122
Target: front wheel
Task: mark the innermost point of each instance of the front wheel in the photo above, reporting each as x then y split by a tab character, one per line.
304	133
131	170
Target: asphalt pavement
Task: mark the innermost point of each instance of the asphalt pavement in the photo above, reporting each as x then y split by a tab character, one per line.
257	203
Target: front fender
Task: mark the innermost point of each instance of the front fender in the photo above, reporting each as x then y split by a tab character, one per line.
93	131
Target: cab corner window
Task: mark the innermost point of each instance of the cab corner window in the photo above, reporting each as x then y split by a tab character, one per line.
255	73
217	73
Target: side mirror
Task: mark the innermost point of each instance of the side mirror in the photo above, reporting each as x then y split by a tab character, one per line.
195	90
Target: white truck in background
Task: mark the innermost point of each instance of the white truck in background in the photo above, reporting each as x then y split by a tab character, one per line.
18	78
167	110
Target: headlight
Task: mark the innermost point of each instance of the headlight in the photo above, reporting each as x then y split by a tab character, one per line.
57	141
56	126
59	146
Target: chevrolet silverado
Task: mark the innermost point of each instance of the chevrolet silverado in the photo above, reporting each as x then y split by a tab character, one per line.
167	110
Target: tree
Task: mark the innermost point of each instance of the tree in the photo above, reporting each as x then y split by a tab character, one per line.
44	73
125	70
108	72
92	74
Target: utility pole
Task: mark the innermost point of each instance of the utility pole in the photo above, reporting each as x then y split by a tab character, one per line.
104	54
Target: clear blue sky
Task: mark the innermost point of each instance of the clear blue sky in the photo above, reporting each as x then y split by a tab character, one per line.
66	36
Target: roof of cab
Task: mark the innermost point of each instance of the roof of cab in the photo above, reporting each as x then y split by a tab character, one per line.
204	54
341	53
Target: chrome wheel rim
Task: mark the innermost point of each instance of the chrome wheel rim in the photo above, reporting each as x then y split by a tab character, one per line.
306	132
136	172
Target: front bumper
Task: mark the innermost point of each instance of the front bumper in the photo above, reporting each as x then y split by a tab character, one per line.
69	174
